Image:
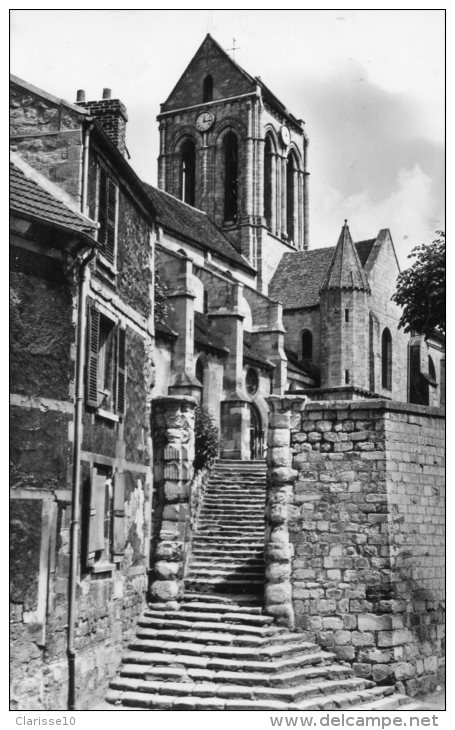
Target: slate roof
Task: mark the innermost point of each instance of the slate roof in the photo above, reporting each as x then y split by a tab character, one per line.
298	278
300	274
194	226
345	270
29	197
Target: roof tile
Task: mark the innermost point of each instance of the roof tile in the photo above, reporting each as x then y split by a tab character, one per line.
194	226
27	196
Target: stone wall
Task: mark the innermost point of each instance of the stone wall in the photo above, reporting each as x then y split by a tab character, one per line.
355	539
47	133
173	506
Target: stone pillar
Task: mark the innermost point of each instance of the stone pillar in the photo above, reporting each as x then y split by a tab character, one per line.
278	195
249	164
273	202
162	157
269	341
280	481
295	207
300	213
260	145
306	204
183	379
173	436
283	210
202	189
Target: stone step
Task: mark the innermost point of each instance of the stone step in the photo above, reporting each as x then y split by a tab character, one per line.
320	672
239	540
237	552
218	626
219	637
217	652
215	615
241	570
232	691
235	603
231	518
246	509
352	700
224	585
226	563
141	653
244	488
228	530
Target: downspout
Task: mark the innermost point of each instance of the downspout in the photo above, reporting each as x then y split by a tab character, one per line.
83	276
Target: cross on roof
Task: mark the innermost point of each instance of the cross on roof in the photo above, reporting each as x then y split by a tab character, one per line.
234	47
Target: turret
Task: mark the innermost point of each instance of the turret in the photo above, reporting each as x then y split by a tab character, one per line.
344	298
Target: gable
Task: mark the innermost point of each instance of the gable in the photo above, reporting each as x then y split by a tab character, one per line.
229	79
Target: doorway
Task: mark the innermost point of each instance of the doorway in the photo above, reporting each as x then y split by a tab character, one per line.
256	434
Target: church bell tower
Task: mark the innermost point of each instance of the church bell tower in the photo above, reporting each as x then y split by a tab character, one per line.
229	147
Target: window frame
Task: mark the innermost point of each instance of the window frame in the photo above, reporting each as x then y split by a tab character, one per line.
96	360
105	535
107	217
386	359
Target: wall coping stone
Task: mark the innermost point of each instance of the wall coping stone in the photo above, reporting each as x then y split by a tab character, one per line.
168	399
375	404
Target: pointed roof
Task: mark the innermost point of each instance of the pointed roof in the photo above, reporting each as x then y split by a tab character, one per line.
232	81
345	270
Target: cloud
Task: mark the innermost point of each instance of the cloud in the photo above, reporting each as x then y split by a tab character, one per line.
409	211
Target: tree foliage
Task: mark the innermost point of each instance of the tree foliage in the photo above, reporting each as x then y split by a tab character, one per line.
421	289
207	439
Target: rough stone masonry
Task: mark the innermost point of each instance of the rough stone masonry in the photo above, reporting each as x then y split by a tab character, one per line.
355	539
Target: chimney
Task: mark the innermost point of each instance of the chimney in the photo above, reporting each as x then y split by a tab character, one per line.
111	114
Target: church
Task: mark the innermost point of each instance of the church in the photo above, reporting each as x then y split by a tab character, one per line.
294	349
269	314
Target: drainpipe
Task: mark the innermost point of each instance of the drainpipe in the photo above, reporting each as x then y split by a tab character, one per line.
83	276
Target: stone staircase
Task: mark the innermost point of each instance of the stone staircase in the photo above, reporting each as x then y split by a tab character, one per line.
218	651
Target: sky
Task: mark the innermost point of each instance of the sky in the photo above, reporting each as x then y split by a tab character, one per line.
368	83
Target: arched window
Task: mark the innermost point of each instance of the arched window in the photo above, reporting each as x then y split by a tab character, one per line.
200	370
207	89
307	345
386	359
188	173
431	369
231	181
290	196
268	152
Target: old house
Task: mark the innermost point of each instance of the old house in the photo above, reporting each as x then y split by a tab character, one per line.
82	371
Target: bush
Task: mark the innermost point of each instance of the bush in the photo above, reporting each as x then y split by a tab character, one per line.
207	439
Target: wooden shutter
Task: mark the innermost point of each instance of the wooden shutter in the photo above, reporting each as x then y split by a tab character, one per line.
93	336
102	210
121	370
119	514
111	220
97	506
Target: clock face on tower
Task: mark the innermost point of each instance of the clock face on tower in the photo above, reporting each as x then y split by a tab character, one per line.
204	121
285	136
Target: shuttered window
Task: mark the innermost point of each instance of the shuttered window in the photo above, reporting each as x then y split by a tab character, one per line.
107	215
106	528
106	363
